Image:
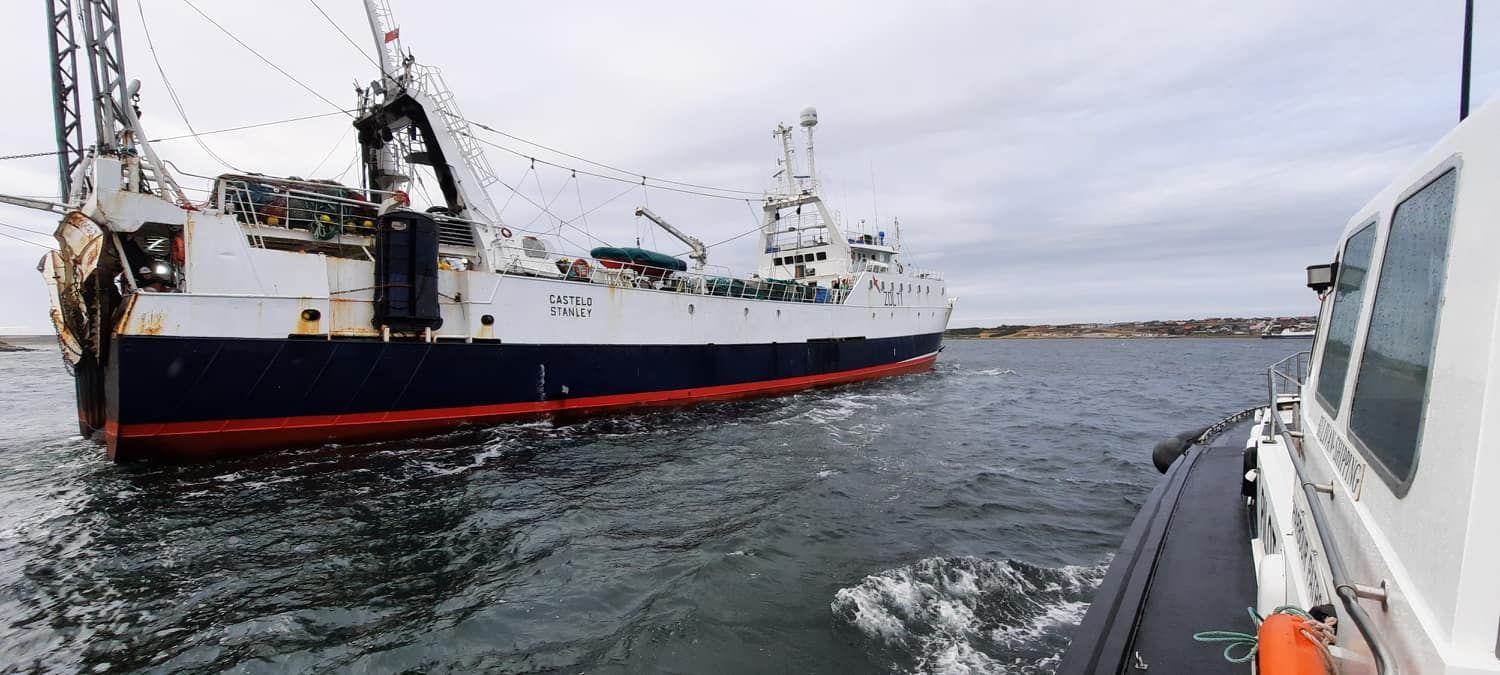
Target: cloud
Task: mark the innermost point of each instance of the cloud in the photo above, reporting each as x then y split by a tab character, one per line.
1078	162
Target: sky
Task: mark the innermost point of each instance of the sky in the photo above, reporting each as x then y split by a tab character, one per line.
1058	162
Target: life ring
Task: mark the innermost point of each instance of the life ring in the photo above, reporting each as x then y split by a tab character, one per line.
579	269
505	232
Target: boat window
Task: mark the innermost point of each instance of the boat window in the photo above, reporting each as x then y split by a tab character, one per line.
1354	266
776	261
1386	413
822	255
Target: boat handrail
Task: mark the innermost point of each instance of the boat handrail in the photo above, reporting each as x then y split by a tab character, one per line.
696	282
1348	591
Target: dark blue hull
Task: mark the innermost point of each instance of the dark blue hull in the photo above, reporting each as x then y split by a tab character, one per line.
203	397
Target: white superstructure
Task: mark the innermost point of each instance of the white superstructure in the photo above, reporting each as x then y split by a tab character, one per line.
1377	474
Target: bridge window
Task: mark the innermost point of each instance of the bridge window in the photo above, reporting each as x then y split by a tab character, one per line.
1354	267
822	255
1390	392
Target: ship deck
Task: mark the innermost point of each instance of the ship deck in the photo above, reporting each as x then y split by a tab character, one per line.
1184	567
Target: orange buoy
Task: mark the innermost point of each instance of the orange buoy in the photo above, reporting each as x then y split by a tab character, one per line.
1286	647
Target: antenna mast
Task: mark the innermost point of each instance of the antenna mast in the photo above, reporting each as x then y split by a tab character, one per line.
789	160
810	120
1463	90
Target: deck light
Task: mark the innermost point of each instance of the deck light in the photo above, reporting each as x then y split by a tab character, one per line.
1320	277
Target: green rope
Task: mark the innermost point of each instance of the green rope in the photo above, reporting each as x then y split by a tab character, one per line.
323	231
1249	641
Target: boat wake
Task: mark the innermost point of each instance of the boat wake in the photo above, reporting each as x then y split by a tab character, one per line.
956	615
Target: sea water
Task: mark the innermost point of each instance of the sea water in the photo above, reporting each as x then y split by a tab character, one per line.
952	521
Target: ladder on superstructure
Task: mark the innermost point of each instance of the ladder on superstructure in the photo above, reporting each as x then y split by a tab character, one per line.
430	82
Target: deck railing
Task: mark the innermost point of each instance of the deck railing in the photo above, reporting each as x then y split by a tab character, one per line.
1284	382
634	275
326	210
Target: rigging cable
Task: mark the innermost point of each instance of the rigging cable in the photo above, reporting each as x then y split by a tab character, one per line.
348	39
267	61
735	237
578	192
602	165
684	186
172	93
639	180
27	241
29	155
328	156
26	229
512	196
179	137
542	194
517	192
244	127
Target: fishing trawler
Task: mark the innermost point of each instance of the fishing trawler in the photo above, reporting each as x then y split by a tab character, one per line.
279	311
1354	516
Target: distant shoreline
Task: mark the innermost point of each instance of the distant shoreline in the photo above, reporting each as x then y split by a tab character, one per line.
25	343
1096	336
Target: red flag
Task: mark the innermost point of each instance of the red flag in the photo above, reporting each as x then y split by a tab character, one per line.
392	35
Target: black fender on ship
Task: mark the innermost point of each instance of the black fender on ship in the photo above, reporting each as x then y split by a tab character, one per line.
1168	450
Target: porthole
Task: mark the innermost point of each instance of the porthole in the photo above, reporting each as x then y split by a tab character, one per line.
747	311
311	314
690	308
487	320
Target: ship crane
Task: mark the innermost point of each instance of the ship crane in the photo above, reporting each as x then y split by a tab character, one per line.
700	252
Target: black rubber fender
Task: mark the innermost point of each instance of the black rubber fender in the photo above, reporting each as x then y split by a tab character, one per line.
1167	451
1251	462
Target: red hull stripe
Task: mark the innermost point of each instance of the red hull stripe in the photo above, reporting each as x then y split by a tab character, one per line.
217	437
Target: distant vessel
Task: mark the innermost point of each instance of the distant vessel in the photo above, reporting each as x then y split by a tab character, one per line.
1357	512
1289	334
280	311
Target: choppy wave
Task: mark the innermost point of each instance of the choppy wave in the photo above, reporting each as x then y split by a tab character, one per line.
968	615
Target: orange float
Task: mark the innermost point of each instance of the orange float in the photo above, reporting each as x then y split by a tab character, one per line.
1287	647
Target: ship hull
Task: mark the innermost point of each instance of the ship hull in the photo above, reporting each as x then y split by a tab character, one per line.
187	398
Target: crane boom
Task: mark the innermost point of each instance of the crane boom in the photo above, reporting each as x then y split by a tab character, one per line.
700	252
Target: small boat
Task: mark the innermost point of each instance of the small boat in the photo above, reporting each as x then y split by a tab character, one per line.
1353	511
1289	334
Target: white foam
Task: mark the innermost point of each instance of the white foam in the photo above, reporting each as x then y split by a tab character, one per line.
826	474
945	612
995	371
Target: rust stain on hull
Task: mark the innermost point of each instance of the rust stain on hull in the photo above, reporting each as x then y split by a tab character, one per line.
149	323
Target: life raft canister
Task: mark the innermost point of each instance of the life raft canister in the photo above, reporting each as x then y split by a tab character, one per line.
1287	648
